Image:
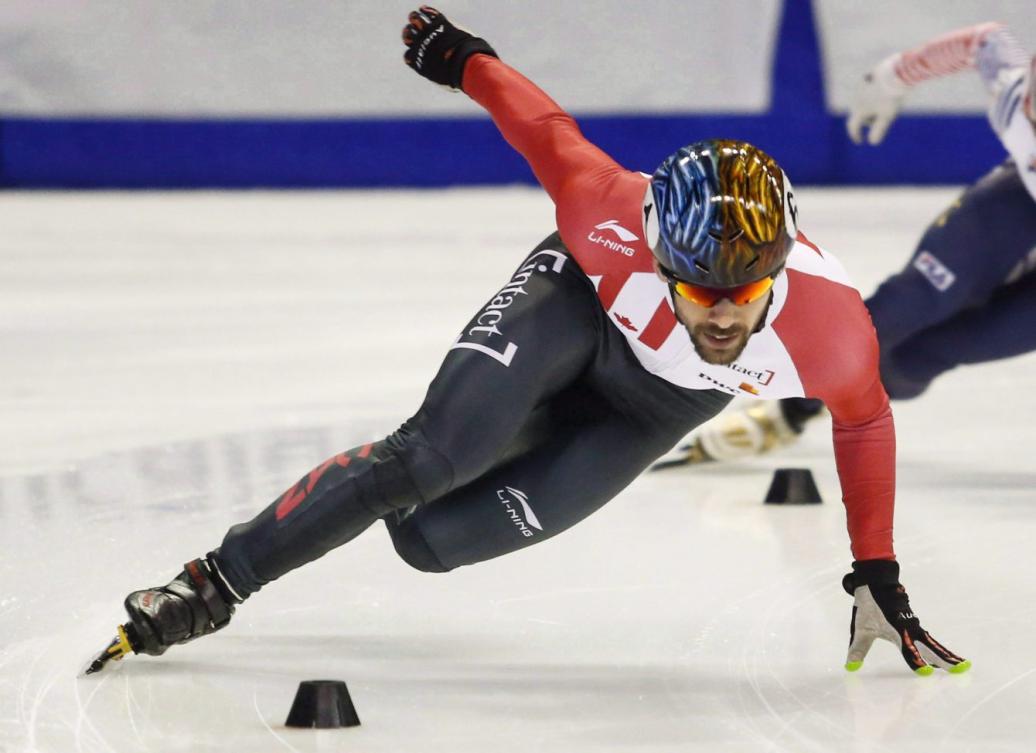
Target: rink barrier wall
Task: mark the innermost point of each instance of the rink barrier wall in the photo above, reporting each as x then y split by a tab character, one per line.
141	154
810	143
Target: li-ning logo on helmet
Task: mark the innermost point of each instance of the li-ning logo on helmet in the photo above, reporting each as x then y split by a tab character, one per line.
508	496
620	232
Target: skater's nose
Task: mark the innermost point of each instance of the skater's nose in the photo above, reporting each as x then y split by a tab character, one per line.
723	314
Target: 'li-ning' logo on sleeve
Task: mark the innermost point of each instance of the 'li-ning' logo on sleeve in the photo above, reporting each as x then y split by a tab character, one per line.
508	497
934	271
620	232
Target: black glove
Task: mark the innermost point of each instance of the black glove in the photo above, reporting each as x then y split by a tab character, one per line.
882	610
437	49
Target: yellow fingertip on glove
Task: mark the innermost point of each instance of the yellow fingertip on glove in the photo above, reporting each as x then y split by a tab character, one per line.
961	668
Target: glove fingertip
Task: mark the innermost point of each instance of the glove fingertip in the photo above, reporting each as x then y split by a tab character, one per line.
924	671
853	666
877	132
959	669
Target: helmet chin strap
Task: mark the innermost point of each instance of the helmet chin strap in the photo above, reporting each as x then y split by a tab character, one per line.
672	302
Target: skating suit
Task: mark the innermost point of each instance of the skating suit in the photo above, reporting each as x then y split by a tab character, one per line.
968	293
817	339
572	378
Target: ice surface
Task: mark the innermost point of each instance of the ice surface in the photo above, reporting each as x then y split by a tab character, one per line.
172	362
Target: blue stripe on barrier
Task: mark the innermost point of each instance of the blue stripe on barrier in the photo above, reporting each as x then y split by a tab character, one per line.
809	143
111	153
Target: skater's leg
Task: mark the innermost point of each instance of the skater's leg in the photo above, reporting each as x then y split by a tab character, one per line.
979	244
798	410
588	457
957	300
531	340
1003	327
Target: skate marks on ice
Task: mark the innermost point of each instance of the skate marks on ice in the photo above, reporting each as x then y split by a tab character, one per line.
111	524
75	540
685	615
228	472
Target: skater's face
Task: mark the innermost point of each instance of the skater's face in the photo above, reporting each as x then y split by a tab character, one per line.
720	332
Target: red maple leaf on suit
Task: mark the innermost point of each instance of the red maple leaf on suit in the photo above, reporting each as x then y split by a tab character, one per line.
625	322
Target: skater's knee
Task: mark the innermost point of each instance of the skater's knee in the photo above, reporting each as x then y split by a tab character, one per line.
413	472
412	547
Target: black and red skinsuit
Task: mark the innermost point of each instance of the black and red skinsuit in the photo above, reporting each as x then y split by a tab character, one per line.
549	403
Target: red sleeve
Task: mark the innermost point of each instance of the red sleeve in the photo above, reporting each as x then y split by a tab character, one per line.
536	126
865	453
588	187
829	334
946	54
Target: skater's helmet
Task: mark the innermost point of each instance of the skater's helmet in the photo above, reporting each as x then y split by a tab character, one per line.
724	215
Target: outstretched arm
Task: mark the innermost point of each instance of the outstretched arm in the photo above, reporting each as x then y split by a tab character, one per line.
989	47
865	455
528	119
534	125
865	452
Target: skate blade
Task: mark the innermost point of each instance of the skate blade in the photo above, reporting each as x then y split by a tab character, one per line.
118	648
684	456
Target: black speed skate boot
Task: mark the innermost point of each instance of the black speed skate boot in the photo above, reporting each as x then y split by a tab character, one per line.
195	603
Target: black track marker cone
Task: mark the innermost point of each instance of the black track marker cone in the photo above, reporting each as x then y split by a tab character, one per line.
793	486
324	704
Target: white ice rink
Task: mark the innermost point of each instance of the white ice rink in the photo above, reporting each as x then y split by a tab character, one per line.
171	363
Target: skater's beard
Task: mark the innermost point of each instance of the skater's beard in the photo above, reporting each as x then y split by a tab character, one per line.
737	336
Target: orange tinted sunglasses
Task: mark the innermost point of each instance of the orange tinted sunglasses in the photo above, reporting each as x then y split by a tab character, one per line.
709	297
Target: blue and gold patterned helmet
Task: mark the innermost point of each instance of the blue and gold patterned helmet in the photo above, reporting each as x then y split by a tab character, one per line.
725	214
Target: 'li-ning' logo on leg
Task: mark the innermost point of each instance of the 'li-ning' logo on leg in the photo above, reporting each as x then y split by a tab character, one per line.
508	497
